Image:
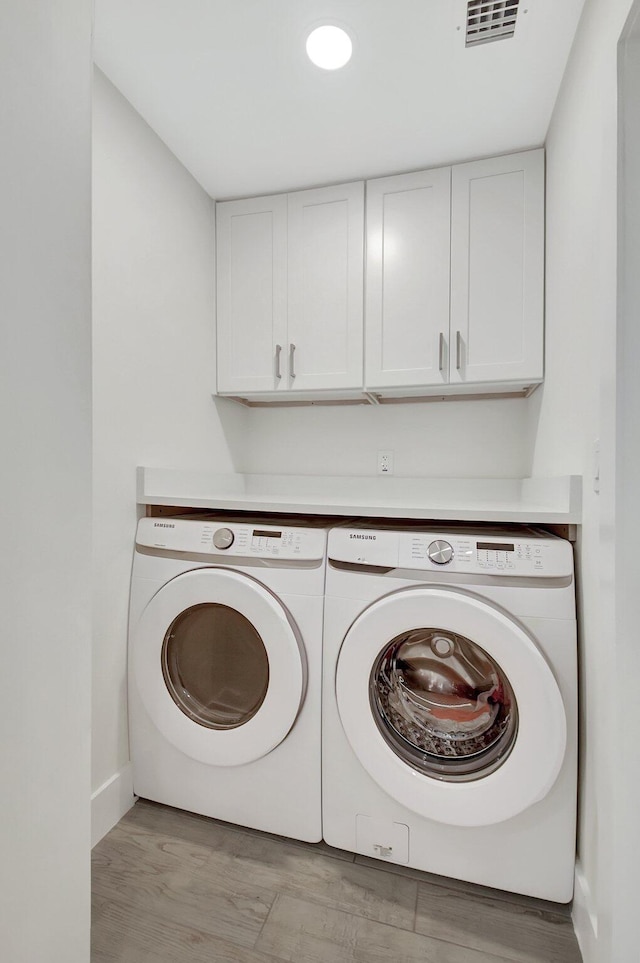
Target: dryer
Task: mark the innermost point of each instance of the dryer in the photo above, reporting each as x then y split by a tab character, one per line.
449	707
225	662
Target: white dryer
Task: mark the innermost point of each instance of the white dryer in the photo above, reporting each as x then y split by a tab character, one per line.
449	706
225	663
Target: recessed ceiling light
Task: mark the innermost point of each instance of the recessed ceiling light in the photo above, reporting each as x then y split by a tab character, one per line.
329	47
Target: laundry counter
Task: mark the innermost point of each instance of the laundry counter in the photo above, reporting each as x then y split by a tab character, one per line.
550	501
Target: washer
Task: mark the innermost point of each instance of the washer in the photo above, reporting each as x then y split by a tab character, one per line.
449	712
225	664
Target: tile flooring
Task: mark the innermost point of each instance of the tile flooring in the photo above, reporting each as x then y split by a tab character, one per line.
171	887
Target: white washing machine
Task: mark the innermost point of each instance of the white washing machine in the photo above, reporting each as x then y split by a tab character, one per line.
449	706
225	665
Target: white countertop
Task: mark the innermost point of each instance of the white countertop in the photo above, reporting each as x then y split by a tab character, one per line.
555	500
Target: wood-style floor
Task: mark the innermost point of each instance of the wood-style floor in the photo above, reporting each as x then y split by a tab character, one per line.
171	887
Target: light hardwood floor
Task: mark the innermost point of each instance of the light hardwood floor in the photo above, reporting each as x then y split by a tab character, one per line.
171	887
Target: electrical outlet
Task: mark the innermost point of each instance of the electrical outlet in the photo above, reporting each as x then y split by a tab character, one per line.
385	463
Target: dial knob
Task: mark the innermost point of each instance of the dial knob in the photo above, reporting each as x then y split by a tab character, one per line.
440	552
223	538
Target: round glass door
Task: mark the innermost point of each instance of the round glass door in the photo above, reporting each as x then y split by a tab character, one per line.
219	666
443	704
215	666
450	706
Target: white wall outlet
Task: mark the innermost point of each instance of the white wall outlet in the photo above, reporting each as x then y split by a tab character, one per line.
385	463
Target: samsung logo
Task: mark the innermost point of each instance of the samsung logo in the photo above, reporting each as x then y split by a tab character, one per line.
372	537
164	525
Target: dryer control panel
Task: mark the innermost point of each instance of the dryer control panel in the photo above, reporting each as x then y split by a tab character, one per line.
234	539
523	553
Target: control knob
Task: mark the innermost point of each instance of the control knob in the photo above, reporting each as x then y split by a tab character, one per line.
223	538
440	552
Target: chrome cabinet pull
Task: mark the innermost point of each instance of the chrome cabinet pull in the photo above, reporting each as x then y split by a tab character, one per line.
458	350
441	352
278	352
292	349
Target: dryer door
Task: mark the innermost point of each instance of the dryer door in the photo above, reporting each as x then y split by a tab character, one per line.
219	666
450	706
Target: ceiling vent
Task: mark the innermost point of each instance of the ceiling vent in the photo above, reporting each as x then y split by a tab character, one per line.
489	20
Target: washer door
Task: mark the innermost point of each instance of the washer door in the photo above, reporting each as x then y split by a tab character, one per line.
219	666
450	706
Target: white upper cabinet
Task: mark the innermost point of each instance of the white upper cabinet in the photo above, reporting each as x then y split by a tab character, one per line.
454	286
455	263
407	280
251	293
326	230
290	292
497	269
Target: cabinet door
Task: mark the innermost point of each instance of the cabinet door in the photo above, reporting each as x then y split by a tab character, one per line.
497	264
407	302
326	239
251	293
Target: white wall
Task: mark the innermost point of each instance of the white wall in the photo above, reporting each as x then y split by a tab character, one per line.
626	827
154	364
45	418
576	406
465	439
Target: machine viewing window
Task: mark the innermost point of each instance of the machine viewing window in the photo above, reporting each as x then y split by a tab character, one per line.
443	704
495	547
215	666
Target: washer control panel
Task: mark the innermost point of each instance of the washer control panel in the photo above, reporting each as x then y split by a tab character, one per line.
523	553
486	554
231	539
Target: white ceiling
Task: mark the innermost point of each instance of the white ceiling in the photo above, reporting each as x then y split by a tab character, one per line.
228	87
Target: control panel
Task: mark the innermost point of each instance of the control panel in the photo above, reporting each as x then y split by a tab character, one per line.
232	539
485	555
512	553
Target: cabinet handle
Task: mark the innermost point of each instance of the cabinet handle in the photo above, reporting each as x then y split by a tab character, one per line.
292	349
278	352
441	352
458	350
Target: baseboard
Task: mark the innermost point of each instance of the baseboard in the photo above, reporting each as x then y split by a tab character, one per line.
585	918
110	802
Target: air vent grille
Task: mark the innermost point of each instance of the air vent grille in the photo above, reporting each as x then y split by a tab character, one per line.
489	20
